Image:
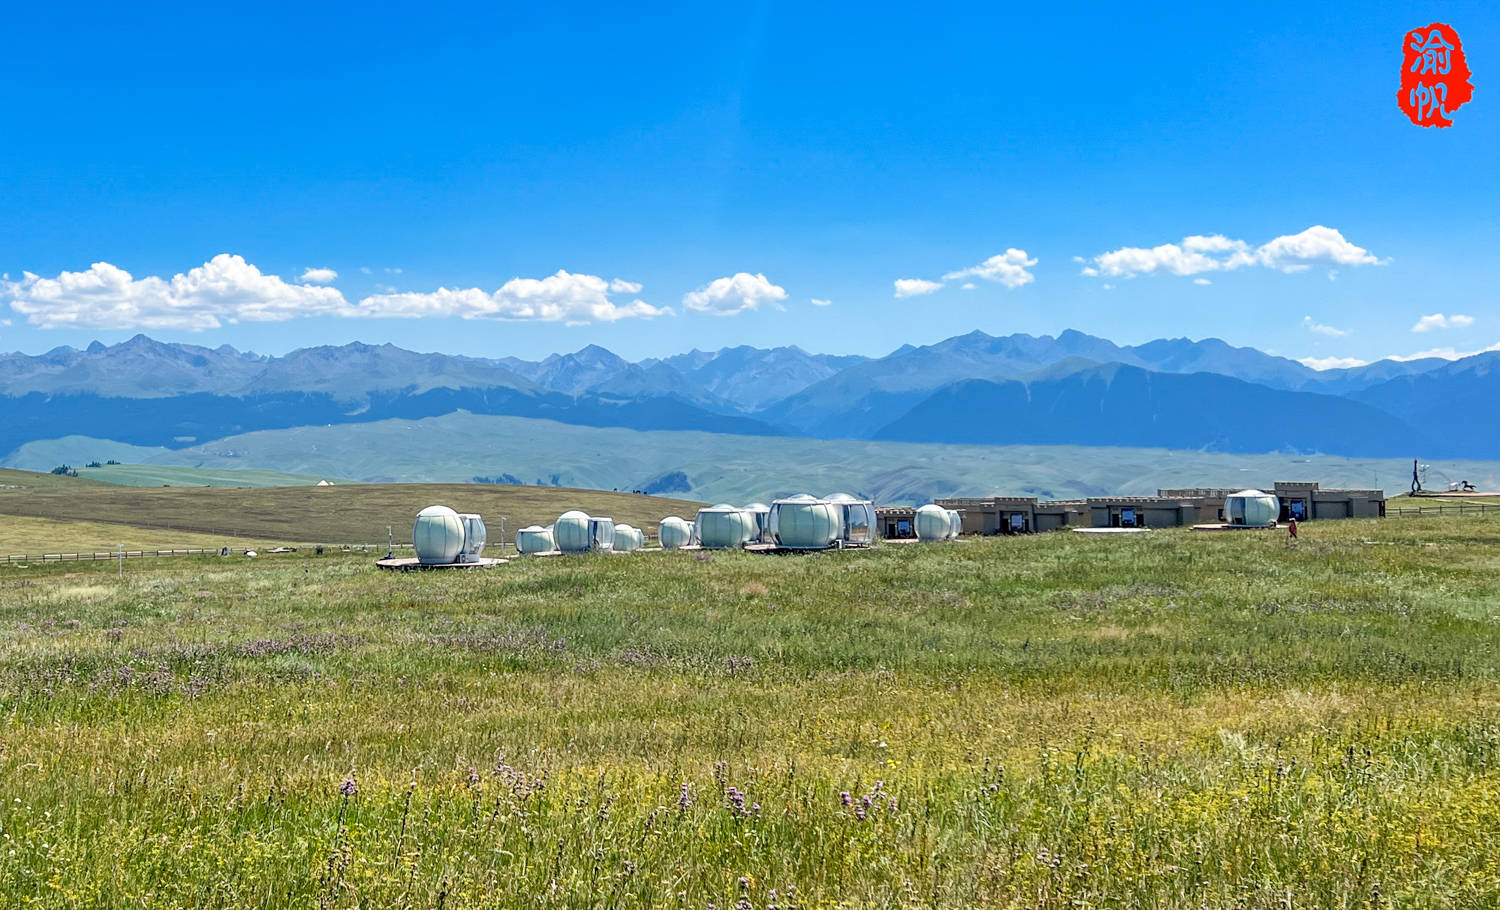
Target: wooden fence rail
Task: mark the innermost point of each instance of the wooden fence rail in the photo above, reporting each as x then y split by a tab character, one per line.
194	551
1452	508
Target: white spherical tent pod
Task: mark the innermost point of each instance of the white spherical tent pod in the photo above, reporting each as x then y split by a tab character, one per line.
955	524
675	533
535	539
760	522
438	535
858	517
1252	509
806	523
723	527
571	532
932	523
625	538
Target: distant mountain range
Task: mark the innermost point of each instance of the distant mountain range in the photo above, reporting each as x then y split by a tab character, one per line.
976	388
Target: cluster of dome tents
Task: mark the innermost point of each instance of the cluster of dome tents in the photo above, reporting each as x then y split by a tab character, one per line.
801	522
444	537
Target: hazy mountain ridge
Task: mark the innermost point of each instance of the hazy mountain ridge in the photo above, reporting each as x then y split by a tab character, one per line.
1119	405
1074	388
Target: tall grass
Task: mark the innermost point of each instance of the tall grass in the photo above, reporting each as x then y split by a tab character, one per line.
1165	720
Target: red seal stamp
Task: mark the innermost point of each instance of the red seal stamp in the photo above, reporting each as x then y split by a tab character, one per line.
1434	75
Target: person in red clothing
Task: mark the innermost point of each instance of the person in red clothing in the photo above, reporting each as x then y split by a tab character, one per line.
1291	528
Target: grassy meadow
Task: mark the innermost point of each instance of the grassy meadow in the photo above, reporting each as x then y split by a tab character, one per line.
1171	719
35	537
150	475
354	513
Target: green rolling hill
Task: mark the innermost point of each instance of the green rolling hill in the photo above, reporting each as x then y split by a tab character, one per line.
716	467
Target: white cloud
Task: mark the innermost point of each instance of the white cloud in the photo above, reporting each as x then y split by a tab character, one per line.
621	286
734	295
1007	268
1331	363
967	286
1200	253
318	276
563	297
1444	353
818	302
224	288
1439	321
915	287
1295	252
1319	328
1203	281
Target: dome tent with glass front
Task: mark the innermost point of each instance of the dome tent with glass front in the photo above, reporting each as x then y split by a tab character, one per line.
1252	509
724	527
804	522
601	533
675	533
475	537
932	523
858	516
534	539
955	524
760	518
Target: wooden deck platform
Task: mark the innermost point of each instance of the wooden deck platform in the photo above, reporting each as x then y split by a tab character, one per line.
412	564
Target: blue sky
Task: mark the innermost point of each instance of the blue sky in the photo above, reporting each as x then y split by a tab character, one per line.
815	153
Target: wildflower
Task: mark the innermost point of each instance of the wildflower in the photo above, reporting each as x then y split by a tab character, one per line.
684	798
348	788
744	882
736	801
473	777
846	799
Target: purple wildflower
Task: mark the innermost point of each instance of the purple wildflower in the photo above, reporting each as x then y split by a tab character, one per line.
736	800
684	798
846	799
348	788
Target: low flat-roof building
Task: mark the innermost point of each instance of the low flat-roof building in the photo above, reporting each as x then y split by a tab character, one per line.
1302	500
1017	514
995	514
1180	507
1058	514
1311	501
1144	511
896	522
